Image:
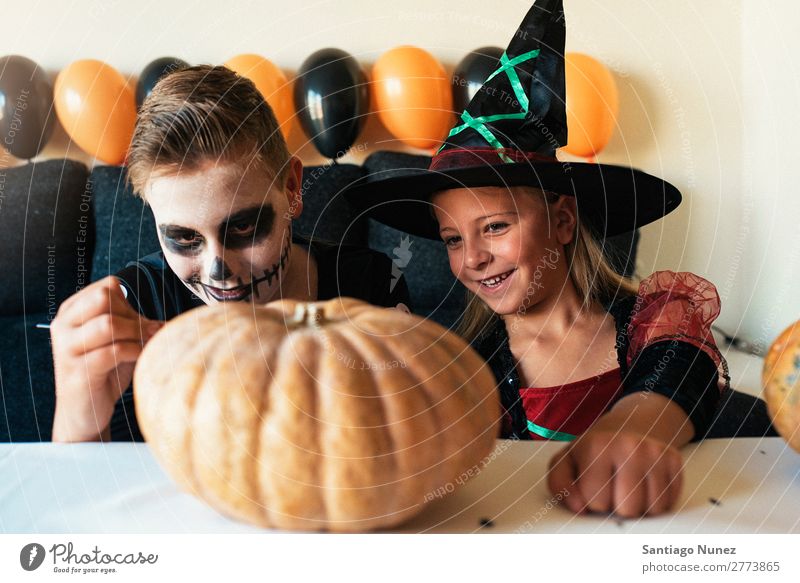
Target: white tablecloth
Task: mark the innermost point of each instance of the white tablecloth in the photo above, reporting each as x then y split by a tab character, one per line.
730	486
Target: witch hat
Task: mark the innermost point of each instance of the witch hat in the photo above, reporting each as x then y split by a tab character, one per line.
508	136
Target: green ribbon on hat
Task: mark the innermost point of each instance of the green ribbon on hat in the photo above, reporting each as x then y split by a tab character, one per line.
507	66
478	124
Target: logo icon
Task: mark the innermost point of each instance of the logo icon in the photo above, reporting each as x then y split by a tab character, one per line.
31	556
403	256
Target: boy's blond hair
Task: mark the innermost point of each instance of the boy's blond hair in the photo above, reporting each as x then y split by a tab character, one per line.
589	270
204	113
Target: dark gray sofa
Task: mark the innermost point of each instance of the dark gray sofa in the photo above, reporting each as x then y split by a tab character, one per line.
63	226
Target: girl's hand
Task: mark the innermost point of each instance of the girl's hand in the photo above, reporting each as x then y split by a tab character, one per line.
97	338
617	471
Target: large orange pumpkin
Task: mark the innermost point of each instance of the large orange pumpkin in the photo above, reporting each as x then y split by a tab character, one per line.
317	416
781	379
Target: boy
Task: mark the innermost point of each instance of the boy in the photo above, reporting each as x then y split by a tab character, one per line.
208	157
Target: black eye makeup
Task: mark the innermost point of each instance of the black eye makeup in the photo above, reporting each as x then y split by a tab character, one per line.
247	227
242	229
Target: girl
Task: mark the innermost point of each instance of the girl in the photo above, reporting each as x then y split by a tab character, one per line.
209	159
578	350
626	375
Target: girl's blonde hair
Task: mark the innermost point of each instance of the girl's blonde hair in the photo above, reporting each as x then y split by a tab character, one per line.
590	272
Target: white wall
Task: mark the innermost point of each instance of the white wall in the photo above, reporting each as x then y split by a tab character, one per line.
769	277
708	99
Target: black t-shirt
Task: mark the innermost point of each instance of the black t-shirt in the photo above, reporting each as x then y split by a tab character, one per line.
157	293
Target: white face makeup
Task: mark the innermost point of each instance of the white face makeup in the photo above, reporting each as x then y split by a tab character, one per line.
225	230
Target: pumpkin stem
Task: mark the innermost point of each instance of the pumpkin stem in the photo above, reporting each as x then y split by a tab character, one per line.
309	314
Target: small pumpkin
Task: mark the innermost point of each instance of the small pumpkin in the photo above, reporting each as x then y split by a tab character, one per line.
332	415
781	380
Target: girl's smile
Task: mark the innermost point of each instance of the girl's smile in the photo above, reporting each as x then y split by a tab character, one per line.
503	244
496	283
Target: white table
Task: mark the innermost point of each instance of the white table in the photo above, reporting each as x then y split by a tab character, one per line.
730	486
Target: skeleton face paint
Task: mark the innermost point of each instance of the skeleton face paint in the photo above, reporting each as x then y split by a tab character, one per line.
225	231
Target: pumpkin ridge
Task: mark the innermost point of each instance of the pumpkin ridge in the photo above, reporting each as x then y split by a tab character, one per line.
219	363
268	355
336	496
188	434
479	406
317	435
452	463
434	480
472	373
275	438
396	346
375	350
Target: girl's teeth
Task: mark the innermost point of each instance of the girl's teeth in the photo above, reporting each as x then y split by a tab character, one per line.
495	280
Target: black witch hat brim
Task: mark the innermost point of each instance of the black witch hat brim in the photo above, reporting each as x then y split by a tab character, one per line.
611	199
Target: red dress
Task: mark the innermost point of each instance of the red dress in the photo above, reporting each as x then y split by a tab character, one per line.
564	412
669	307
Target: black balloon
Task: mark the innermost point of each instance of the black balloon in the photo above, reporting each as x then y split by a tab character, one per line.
471	72
331	97
26	106
152	73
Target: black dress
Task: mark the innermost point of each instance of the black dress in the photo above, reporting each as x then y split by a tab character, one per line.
663	344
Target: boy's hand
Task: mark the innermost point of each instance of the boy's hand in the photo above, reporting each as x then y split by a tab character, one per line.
97	338
620	472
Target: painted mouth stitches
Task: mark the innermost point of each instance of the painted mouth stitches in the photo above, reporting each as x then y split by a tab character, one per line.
496	280
243	291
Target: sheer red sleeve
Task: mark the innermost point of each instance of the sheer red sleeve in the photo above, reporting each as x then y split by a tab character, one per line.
680	307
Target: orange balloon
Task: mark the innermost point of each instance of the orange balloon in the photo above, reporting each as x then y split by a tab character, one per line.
592	105
412	96
97	108
272	84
